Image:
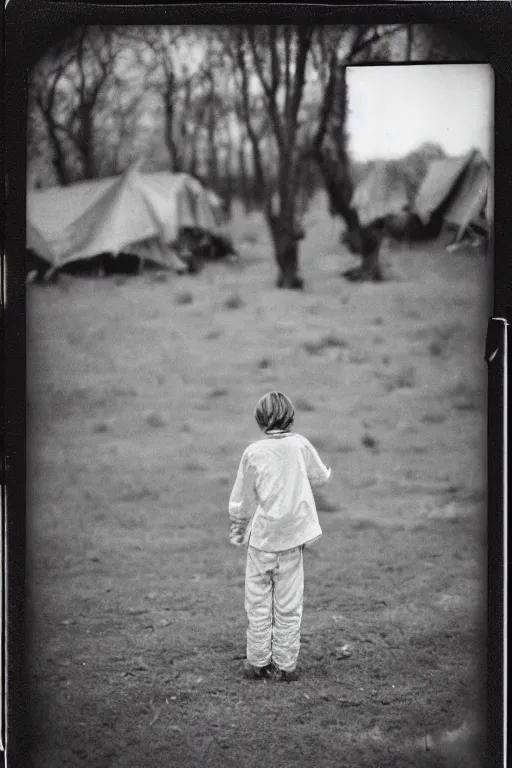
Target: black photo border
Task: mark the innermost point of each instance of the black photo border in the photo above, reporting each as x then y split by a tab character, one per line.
29	28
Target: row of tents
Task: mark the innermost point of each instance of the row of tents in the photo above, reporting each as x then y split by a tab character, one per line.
454	194
171	220
159	218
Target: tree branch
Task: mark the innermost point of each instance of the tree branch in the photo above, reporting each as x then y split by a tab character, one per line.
269	90
287	54
258	162
327	103
305	35
363	45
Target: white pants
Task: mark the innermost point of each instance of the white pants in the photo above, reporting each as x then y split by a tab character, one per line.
274	588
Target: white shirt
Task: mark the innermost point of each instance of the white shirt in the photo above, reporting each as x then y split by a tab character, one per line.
271	504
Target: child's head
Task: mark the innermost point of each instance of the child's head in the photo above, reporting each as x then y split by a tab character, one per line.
274	411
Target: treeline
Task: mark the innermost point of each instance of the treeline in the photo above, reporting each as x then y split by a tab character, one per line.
254	112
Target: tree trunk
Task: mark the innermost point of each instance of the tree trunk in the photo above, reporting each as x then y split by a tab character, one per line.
243	178
85	143
169	137
371	268
286	250
361	241
58	160
213	161
366	243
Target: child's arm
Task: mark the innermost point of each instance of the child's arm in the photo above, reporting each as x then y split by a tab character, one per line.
318	473
241	504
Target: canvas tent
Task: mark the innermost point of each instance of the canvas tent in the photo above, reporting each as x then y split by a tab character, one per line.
382	192
140	213
456	192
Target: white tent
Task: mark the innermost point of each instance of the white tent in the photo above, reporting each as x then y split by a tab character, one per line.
458	190
136	212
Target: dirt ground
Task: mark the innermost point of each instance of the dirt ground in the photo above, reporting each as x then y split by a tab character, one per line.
140	398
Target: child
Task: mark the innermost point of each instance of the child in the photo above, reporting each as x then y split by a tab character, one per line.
273	512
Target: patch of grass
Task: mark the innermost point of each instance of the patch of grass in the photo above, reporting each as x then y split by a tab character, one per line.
386	359
303	404
365	524
218	392
215	334
344	448
369	441
443	332
323	504
155	420
120	280
320	443
379	339
74	338
328	341
159	277
378	321
264	362
334	340
437	348
100	426
358	358
411	312
183	298
234	301
465	397
448	330
433	418
138	494
194	466
404	379
466	404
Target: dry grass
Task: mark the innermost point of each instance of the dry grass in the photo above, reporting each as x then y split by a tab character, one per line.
303	404
326	341
182	298
155	420
233	302
135	597
403	379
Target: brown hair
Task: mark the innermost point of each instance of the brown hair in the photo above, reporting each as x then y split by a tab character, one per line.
274	411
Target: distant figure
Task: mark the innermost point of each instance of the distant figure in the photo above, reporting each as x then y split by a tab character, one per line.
272	512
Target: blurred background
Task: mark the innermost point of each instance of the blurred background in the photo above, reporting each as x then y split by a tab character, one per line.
177	178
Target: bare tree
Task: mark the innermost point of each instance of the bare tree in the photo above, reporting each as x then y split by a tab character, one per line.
270	64
43	96
66	87
334	50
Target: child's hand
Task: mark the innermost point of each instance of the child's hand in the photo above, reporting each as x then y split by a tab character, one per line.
236	540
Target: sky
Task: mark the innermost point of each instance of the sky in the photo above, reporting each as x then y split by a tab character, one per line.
394	109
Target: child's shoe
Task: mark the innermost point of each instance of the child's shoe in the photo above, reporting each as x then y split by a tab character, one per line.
287	677
255	673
